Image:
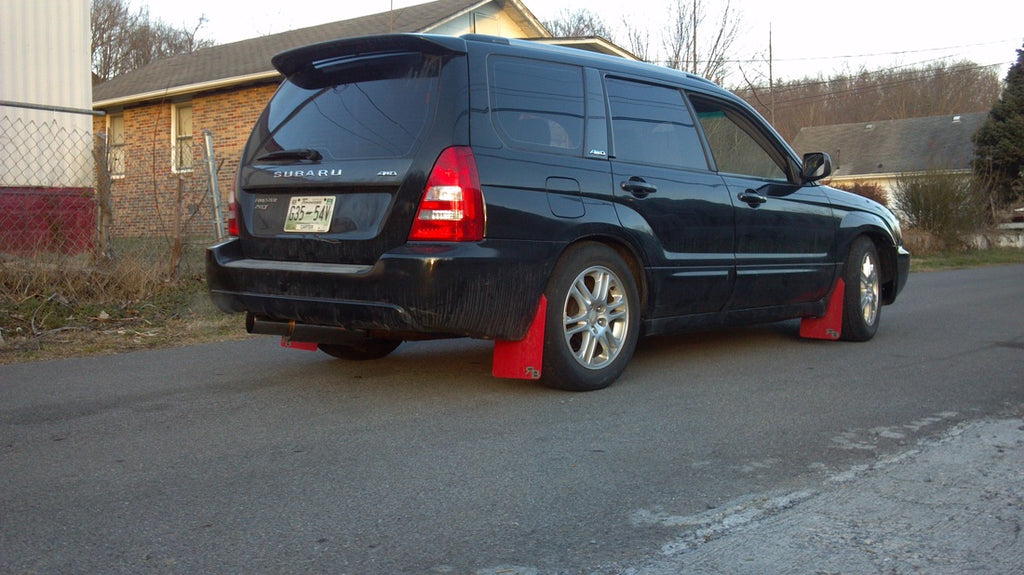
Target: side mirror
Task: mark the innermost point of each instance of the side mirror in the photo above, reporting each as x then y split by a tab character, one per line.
817	165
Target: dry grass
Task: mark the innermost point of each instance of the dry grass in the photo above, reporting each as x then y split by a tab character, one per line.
54	327
54	307
101	338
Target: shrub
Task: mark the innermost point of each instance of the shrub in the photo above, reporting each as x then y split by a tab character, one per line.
945	205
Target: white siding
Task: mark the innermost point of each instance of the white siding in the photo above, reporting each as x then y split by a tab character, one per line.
487	19
45	60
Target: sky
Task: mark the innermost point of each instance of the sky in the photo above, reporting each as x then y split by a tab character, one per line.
808	39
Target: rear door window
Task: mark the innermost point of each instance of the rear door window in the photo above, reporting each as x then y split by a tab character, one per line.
651	124
537	105
354	108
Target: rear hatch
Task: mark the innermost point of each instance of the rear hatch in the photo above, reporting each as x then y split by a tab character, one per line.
336	164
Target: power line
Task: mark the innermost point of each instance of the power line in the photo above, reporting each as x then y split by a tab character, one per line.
962	66
893	53
855	90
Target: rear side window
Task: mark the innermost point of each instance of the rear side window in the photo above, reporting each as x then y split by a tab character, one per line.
537	105
353	108
651	124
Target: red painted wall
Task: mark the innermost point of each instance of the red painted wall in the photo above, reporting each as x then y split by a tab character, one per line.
57	220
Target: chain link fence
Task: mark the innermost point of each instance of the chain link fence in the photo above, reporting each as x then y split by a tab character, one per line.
77	229
65	200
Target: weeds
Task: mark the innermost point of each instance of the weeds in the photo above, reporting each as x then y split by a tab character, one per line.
55	306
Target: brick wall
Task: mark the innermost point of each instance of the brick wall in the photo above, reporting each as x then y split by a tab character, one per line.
145	200
231	116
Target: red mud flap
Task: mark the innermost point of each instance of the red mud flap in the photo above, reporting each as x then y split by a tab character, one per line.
830	326
522	359
303	345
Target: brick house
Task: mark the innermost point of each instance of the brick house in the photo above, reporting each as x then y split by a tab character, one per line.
156	117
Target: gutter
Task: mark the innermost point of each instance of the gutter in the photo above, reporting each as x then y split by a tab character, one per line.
186	89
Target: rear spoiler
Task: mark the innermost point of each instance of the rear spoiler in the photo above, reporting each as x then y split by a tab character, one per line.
297	59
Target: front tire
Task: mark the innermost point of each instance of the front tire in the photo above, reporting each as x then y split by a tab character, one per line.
862	303
593	319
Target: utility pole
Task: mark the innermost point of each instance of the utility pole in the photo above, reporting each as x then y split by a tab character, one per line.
694	35
771	77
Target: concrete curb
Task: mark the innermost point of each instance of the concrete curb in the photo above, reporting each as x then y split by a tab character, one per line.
951	505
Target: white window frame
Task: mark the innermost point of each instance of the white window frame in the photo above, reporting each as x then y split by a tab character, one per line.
117	150
178	140
486	24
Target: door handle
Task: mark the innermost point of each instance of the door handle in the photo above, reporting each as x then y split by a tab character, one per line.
638	187
752	198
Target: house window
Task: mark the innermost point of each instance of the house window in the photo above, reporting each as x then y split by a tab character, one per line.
115	145
182	134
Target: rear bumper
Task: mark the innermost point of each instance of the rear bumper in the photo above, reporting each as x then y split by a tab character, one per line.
486	290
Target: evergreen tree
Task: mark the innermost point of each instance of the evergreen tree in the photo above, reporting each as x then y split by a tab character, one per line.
999	144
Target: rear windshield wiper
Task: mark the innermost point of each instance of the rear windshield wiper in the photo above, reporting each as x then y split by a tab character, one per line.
291	155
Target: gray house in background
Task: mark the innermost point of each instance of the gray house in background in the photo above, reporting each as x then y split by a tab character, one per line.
879	152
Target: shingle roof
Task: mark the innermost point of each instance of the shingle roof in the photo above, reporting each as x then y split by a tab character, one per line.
895	146
229	63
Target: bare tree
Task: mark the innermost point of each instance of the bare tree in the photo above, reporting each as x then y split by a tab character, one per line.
638	39
888	94
579	24
698	42
123	40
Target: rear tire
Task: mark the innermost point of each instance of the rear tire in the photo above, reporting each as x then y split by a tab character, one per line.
862	303
593	319
366	349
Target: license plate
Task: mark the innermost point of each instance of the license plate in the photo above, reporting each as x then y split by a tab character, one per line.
309	214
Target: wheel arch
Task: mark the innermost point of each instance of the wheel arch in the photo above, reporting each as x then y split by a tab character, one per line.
628	252
857	224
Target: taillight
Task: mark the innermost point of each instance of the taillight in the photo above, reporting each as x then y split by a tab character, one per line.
233	217
452	207
232	214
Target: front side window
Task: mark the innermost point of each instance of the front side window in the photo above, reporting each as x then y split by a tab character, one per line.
537	105
115	145
182	158
736	145
651	124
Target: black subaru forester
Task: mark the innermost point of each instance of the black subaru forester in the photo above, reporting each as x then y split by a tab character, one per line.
560	202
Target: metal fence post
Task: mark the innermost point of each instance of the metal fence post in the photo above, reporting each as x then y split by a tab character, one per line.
211	168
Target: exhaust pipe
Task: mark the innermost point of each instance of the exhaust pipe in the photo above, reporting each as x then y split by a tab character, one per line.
293	331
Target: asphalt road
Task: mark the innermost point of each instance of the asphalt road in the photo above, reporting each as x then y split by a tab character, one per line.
246	457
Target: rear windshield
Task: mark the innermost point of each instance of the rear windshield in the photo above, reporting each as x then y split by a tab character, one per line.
353	108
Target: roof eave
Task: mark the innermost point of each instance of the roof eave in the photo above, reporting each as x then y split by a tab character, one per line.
528	17
426	29
187	89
